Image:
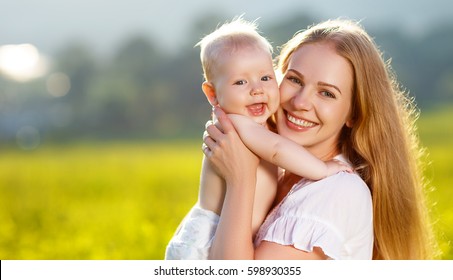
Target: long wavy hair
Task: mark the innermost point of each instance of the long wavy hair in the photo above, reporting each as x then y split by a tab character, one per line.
382	144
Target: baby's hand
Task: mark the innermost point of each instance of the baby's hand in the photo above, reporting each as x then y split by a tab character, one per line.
334	166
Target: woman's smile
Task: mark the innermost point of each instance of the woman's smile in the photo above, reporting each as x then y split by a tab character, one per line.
298	123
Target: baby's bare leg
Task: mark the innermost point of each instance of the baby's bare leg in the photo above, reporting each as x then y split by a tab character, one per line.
212	188
266	189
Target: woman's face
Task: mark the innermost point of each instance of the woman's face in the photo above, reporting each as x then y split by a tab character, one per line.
315	99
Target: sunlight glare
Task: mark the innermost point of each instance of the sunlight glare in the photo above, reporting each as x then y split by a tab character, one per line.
21	62
58	84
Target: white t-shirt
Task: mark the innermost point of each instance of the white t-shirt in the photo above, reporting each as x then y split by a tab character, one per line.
334	214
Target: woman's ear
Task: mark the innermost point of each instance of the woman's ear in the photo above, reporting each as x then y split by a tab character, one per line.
350	123
209	91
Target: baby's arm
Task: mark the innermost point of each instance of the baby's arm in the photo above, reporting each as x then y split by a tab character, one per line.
282	151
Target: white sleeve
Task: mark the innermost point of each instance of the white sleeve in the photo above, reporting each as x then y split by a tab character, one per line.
334	214
194	236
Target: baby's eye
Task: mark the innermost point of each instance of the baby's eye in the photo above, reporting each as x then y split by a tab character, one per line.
240	82
266	78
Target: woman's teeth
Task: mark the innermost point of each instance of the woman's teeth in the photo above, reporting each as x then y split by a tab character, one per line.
300	122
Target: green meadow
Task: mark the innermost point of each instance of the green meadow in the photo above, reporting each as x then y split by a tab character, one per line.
123	200
436	135
95	201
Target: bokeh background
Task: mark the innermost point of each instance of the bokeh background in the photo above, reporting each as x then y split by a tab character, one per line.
101	113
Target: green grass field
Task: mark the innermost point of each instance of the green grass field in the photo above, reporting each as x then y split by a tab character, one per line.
113	201
436	134
124	200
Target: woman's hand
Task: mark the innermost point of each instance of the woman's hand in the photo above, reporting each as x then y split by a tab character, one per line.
232	159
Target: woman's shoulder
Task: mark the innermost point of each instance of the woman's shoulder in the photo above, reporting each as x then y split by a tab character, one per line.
344	189
342	194
346	182
337	184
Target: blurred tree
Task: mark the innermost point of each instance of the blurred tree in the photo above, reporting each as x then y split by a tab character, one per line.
120	95
280	32
421	63
143	91
139	60
435	55
77	61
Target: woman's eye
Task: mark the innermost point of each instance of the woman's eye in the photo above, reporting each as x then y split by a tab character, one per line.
295	80
328	94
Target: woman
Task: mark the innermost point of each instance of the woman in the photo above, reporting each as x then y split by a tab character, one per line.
338	99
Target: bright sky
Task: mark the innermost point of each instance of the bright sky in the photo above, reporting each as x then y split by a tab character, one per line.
49	24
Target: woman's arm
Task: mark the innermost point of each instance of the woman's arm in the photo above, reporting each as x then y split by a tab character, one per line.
282	151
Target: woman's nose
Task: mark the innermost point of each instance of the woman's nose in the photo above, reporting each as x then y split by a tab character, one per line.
302	100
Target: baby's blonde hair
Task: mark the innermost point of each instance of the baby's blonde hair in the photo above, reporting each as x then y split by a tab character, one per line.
229	37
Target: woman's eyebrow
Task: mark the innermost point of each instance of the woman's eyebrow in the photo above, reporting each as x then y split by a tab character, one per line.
295	71
329	85
319	83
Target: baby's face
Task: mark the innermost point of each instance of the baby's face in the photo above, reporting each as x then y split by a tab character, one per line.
245	84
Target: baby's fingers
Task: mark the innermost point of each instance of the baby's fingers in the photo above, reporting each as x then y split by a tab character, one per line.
343	166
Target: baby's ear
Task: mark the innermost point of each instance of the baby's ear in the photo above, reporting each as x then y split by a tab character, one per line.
209	90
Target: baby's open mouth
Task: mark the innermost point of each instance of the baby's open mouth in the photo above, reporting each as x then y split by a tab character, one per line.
257	109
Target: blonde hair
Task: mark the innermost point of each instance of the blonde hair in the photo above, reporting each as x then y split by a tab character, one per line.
382	143
228	38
